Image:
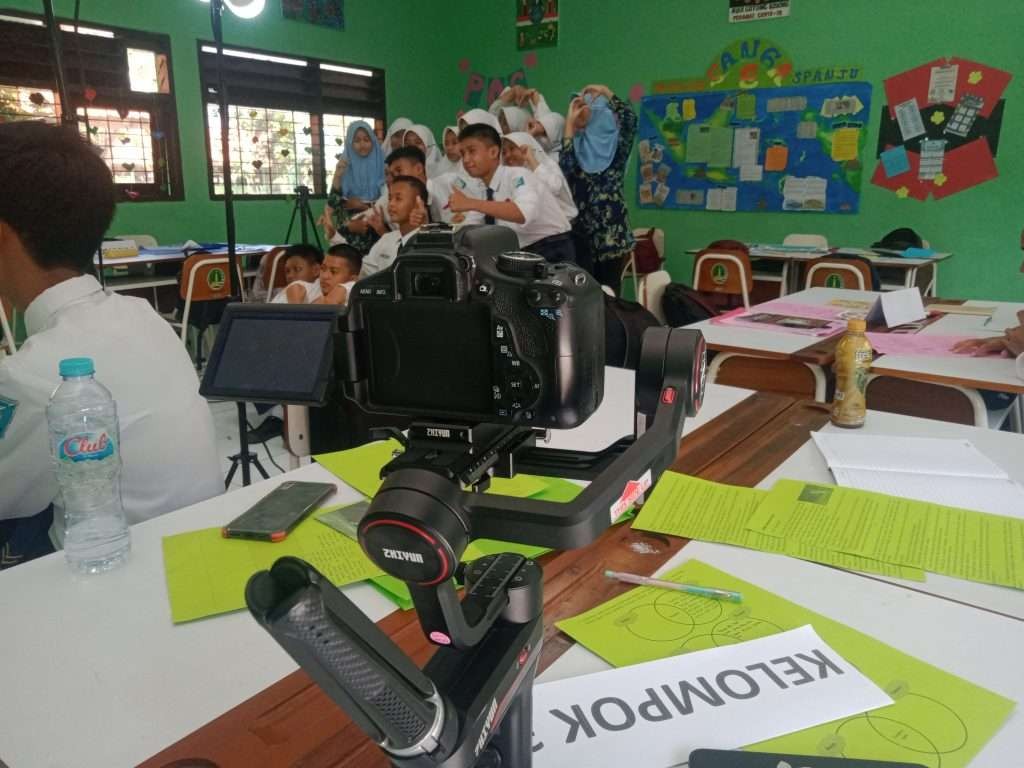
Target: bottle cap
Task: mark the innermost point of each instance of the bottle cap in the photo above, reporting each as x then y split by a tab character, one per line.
857	324
77	366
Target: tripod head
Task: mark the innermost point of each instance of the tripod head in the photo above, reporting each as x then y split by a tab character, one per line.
471	704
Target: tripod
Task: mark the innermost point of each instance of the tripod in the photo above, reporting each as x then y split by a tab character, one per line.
244	457
302	210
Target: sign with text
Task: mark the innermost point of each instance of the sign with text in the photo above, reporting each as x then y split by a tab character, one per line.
757	10
721	698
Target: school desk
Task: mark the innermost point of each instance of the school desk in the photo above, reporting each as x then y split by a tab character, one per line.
293	722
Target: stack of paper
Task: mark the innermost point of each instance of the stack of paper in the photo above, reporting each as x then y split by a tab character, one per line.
945	471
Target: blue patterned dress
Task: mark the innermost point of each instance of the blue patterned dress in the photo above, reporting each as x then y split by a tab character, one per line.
603	221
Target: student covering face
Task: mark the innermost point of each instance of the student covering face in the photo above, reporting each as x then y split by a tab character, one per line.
421	137
396	133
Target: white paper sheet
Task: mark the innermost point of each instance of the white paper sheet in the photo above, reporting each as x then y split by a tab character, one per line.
746	145
941	470
908	115
751	172
804	193
942	84
898	307
610	719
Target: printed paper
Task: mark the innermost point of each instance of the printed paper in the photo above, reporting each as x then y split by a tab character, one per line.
689	109
933	152
751	172
845	144
804	193
908	115
746	146
698	143
942	84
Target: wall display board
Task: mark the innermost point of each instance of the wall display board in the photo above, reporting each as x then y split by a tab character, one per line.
794	149
940	129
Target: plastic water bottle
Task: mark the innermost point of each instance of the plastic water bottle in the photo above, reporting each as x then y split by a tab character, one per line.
85	444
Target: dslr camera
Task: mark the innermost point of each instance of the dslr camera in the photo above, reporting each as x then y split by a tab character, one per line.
465	327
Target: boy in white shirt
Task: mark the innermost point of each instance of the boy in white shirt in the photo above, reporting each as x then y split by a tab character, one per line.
338	273
407	198
511	196
302	273
410	161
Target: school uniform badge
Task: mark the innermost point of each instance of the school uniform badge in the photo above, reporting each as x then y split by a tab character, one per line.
7	408
520	181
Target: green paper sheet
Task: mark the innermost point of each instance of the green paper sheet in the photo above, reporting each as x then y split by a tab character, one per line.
206	573
360	468
938	719
686	506
956	542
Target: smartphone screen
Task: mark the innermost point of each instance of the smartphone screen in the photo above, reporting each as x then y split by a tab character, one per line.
277	513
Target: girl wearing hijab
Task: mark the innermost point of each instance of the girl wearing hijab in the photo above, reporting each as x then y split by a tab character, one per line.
396	133
545	126
599	133
521	149
358	179
451	159
421	137
474	116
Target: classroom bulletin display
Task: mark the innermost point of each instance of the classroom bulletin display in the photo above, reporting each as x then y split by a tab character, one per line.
763	150
940	129
755	133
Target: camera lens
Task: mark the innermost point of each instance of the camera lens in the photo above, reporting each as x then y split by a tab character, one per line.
427	284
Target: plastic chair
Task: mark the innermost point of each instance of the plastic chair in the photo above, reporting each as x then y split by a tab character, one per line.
272	271
203	281
928	400
722	271
767	374
8	334
630	270
838	273
652	289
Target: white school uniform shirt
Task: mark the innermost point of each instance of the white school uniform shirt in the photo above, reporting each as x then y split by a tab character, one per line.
168	445
313	292
384	252
543	214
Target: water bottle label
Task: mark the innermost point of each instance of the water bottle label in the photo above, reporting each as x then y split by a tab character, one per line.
86	446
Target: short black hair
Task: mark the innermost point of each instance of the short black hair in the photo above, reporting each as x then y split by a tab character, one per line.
309	252
418	186
407	152
349	254
481	131
57	194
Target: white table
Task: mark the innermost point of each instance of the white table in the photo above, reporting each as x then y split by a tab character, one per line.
1004	448
977	645
94	673
166	255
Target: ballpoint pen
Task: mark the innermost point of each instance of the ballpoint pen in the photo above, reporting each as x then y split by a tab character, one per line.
690	589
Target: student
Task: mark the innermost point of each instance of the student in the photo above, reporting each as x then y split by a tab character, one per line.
452	160
168	445
409	161
478	117
358	179
338	273
395	136
407	195
422	138
302	273
545	126
511	116
521	150
598	138
511	196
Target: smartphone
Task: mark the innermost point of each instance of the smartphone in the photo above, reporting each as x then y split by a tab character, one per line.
274	516
716	758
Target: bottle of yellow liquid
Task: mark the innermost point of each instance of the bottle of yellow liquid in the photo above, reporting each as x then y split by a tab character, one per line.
853	361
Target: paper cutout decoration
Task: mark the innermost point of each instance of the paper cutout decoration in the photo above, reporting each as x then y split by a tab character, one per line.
536	24
940	131
324	13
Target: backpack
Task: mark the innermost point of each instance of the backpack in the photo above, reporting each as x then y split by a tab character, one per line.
624	325
899	240
646	254
683	306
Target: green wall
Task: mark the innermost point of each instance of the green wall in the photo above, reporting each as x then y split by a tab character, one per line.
381	33
623	43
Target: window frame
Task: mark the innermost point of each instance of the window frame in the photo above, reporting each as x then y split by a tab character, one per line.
314	107
162	107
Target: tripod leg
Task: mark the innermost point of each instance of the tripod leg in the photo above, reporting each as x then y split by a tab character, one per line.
291	224
231	472
255	461
312	223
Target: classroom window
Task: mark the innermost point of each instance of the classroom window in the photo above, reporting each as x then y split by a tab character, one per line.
287	118
119	85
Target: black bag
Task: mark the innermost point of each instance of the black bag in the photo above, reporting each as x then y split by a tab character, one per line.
899	240
624	325
683	305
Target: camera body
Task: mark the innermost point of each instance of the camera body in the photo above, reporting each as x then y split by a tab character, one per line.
464	327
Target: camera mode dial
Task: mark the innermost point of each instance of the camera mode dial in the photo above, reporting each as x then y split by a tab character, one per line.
519	263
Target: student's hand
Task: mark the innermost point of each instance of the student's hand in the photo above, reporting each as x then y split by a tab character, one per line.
337	295
418	217
508	95
375	221
530	95
460	202
577	109
530	158
341	167
1010	344
358	226
599	90
355	204
1015	338
327	222
296	294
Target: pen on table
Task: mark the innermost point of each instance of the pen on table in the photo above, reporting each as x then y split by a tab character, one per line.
987	321
690	589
